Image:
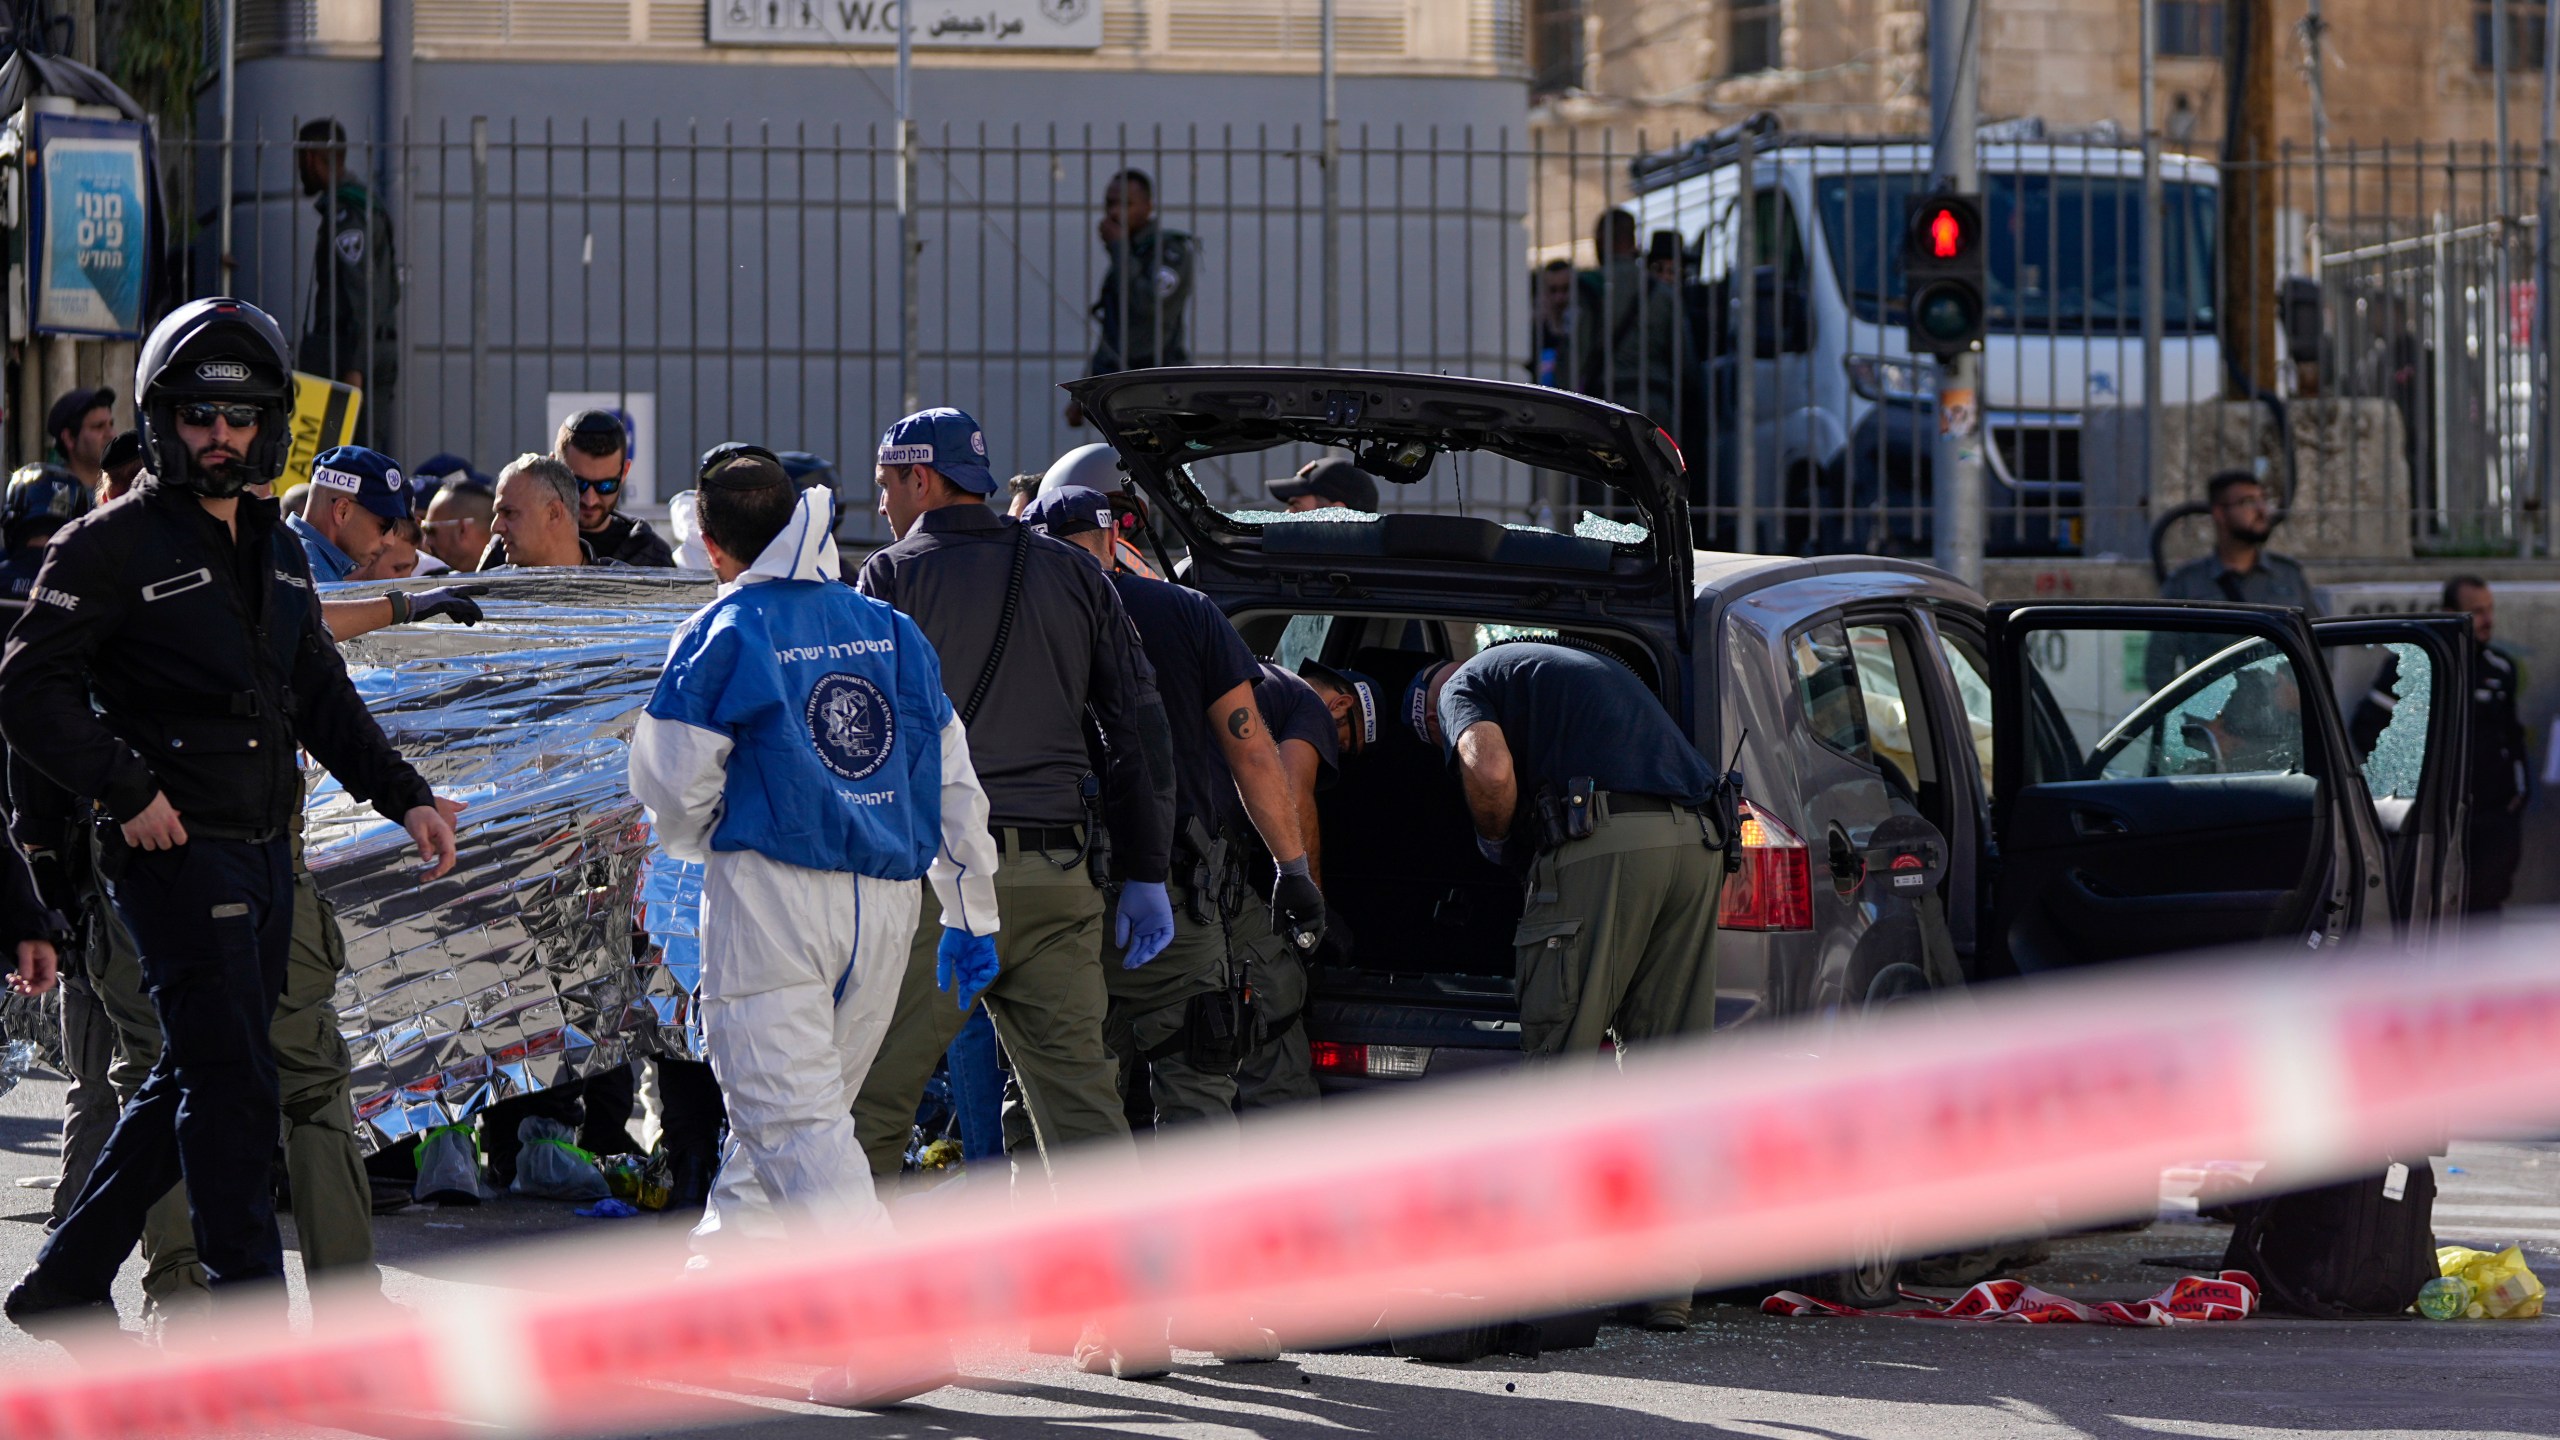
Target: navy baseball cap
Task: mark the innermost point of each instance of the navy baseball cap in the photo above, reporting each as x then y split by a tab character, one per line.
1069	510
1336	480
1362	690
946	439
1417	700
370	477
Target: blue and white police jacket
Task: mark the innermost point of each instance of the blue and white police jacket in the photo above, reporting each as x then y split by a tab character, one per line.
804	721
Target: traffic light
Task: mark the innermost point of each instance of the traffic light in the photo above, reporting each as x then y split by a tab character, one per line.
1942	273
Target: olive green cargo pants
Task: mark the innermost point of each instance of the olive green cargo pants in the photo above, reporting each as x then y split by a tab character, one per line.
332	1203
1047	1004
1149	1010
1619	935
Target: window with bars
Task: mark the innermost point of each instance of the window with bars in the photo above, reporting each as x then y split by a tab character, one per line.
2191	27
2525	22
1753	38
1555	46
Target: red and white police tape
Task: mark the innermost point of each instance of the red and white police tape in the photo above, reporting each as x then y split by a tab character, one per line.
1743	1158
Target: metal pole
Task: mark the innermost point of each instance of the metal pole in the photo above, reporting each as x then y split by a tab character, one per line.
230	115
1330	327
479	270
2545	254
392	163
2498	63
2155	217
1746	353
910	239
2503	471
1956	532
2315	30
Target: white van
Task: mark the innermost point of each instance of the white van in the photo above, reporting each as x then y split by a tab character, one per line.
1843	421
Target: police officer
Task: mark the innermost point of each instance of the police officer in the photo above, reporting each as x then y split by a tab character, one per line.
171	662
41	499
1033	641
1097	467
1278	1069
357	495
351	328
1566	756
1174	1017
2501	769
1145	288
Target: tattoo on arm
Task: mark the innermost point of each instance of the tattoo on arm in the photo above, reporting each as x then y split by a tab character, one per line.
1240	722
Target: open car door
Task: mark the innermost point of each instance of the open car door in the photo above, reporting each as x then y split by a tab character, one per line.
2183	780
2403	682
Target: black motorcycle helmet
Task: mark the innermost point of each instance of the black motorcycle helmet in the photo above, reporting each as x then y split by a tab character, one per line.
221	351
41	497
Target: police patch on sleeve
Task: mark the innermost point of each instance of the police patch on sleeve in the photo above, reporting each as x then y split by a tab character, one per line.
851	725
350	244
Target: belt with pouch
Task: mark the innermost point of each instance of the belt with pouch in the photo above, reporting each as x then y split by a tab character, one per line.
1042	839
1625	803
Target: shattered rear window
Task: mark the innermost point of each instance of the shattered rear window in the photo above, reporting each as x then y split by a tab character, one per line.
1589	527
2400	753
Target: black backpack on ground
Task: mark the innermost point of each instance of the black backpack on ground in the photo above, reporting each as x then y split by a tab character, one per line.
2343	1251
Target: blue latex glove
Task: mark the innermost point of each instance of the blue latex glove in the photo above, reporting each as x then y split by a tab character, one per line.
1145	925
964	964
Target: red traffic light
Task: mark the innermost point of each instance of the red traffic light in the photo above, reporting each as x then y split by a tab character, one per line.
1946	234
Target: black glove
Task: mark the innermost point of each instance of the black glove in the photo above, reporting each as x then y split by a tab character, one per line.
453	600
1297	907
1338	944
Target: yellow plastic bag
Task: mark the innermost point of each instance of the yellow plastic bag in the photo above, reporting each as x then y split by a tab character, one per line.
2503	1287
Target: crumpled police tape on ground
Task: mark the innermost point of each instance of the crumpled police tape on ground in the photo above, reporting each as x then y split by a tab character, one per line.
1740	1157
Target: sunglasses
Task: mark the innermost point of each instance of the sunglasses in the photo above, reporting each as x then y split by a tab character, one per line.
601	487
205	412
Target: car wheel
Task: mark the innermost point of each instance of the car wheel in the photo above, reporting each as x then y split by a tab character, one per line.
1867	1281
1899	981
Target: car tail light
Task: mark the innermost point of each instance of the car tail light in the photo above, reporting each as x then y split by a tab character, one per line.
1376	1062
1774	888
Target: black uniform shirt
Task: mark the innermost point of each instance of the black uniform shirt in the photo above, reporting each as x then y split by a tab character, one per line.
1197	657
1567	713
351	322
630	540
159	654
1292	710
2501	770
1072	653
18	578
1144	292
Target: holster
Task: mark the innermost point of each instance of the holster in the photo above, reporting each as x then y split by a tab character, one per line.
1097	836
1218	1030
1200	869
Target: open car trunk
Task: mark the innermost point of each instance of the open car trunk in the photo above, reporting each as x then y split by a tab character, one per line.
1431	923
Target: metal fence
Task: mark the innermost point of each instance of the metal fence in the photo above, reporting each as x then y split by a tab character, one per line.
744	283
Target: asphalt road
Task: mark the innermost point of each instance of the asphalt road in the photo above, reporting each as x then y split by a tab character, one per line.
1736	1373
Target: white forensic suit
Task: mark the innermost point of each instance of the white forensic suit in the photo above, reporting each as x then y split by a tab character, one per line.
800	745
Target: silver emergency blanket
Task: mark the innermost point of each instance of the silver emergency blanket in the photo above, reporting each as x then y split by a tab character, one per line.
532	963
